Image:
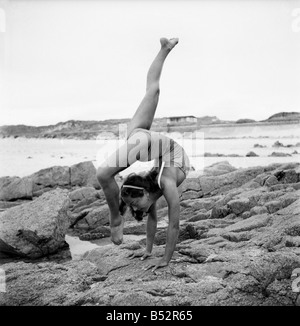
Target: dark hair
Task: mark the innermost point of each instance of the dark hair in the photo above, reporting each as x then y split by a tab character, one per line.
138	215
148	182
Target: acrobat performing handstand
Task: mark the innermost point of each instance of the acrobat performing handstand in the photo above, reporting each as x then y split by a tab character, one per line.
140	191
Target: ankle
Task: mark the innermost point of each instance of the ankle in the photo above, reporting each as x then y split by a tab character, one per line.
165	49
168	44
116	221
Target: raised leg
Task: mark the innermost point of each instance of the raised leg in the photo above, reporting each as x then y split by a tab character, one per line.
144	114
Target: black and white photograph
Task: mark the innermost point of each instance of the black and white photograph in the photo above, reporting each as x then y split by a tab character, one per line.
149	155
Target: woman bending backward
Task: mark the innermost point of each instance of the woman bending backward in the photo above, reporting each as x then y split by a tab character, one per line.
140	191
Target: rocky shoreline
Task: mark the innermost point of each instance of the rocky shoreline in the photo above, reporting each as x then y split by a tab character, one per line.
109	129
239	241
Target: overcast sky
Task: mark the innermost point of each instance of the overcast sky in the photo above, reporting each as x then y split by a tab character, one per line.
87	60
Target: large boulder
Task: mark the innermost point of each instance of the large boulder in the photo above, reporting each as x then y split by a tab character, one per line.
217	184
84	174
12	188
50	178
78	175
218	168
37	228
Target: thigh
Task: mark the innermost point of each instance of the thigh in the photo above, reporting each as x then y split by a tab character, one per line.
144	114
174	173
132	150
181	176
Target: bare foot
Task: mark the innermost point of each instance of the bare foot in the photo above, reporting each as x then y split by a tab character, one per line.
117	233
168	43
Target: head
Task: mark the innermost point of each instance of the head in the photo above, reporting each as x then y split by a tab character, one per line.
136	193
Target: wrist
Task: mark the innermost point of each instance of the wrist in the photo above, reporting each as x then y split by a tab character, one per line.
148	250
165	259
149	246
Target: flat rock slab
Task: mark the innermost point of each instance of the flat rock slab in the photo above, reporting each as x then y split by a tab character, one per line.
251	223
108	277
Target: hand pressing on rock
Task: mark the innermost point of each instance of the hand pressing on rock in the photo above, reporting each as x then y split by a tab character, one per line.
156	264
140	253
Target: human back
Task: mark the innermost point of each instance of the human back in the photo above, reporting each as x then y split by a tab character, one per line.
152	145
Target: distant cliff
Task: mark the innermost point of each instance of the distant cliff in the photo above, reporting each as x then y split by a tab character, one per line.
74	129
78	129
285	116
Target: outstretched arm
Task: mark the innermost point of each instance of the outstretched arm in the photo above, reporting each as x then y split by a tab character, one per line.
172	197
151	228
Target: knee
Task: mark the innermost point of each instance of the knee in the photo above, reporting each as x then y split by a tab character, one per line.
103	175
153	89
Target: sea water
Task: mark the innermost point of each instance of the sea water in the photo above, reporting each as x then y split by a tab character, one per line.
22	157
